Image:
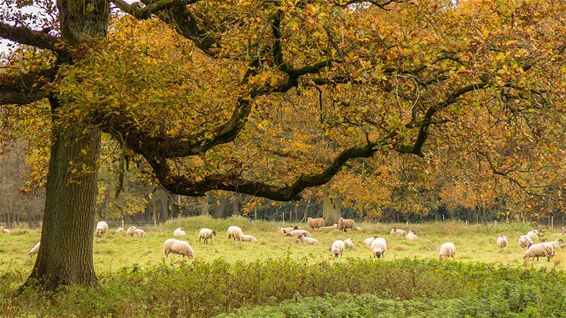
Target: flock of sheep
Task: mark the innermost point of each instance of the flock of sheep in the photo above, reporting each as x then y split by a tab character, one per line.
376	244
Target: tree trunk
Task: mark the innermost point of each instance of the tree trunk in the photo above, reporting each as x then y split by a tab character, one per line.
330	209
65	255
236	204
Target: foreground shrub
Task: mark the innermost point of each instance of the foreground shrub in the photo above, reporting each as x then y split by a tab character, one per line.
370	305
202	289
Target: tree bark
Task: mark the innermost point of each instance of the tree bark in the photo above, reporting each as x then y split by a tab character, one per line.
330	209
66	253
65	256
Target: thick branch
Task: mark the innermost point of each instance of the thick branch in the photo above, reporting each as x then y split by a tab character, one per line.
144	12
29	37
177	146
25	88
184	186
187	24
180	146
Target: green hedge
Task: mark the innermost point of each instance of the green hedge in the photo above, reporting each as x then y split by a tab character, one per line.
200	289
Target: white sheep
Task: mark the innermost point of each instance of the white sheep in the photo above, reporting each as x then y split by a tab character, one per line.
134	231
556	244
235	232
139	233
34	249
398	232
299	232
101	228
329	228
120	230
248	238
285	230
533	234
369	240
539	250
178	247
206	234
349	243
179	232
338	248
130	230
502	241
447	250
3	230
307	240
525	241
411	236
378	247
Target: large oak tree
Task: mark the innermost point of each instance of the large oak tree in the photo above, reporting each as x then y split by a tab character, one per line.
268	98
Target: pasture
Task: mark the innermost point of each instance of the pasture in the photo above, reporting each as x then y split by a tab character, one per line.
474	243
277	277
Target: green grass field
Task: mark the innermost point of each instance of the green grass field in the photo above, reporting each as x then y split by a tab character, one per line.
276	277
474	243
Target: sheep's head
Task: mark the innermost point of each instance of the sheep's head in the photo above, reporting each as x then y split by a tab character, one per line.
378	254
214	232
295	227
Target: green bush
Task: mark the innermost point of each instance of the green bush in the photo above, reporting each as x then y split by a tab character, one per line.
204	289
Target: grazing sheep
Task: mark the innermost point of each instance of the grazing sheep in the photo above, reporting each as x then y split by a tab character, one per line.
3	230
299	232
525	241
139	233
369	240
235	232
101	228
307	240
411	236
130	230
539	250
177	247
329	228
285	230
206	234
315	223
120	230
345	224
34	249
378	247
398	232
533	234
502	241
447	250
134	231
179	232
349	243
338	248
248	238
556	244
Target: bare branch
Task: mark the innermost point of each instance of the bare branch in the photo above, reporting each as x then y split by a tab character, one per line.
425	123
